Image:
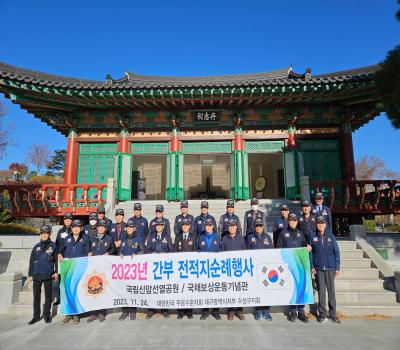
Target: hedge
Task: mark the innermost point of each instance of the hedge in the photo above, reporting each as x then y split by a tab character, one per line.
13	228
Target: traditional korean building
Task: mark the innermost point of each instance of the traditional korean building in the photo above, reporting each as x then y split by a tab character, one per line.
216	137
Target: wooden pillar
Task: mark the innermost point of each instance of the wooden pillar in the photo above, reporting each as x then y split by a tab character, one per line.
71	163
123	145
347	153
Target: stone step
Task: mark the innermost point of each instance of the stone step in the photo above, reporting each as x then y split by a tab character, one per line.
351	254
363	297
361	274
358	284
347	245
355	263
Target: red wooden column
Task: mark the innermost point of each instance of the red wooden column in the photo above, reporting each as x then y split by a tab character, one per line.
238	144
123	145
71	162
347	153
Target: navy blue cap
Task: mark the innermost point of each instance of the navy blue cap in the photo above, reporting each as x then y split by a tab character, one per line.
204	204
184	204
45	229
209	222
321	220
130	223
293	217
77	223
284	207
137	206
258	222
159	221
101	209
160	208
119	212
230	203
68	215
185	222
319	195
102	223
305	204
231	222
93	216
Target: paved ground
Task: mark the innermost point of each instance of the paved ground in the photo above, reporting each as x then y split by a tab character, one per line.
195	334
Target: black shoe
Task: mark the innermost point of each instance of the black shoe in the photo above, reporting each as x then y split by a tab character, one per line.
123	316
149	315
180	316
166	314
102	318
217	316
204	316
292	317
189	315
334	320
92	318
57	301
132	316
302	317
321	319
47	319
34	320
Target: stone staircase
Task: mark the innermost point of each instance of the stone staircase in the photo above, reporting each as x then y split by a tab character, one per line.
360	290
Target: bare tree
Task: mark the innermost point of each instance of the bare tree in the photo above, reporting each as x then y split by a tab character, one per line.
38	155
5	139
373	168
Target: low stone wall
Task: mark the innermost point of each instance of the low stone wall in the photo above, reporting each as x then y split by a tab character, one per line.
388	245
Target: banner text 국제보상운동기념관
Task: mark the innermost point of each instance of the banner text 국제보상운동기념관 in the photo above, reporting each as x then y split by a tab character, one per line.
187	280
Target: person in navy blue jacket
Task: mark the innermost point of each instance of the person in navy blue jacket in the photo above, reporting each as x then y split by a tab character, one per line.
42	271
200	220
307	221
209	241
101	215
233	241
294	238
229	215
322	210
117	230
260	240
281	224
75	245
101	244
325	265
141	223
251	216
130	246
159	242
184	215
159	215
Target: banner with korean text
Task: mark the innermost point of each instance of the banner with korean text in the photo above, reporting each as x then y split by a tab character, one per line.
187	280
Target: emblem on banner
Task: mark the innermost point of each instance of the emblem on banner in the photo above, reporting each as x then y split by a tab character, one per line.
95	283
273	276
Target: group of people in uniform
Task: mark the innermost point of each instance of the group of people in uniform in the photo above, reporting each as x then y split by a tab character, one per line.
311	229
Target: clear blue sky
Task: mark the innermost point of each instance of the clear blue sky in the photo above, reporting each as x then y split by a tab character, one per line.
89	39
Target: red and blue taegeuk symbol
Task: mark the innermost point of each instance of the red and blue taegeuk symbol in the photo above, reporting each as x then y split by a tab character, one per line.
273	276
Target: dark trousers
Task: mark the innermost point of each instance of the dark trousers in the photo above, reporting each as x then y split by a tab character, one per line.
262	308
37	289
214	310
185	311
129	310
326	282
161	310
296	308
235	309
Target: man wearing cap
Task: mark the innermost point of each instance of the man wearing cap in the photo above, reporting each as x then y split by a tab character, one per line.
325	263
91	228
160	215
229	216
233	241
209	241
307	222
251	216
131	245
141	223
281	224
322	210
117	230
101	244
101	215
158	242
76	245
294	238
62	233
199	222
42	270
185	241
260	240
183	215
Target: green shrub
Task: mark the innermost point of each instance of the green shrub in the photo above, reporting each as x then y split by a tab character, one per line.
5	216
369	225
16	229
